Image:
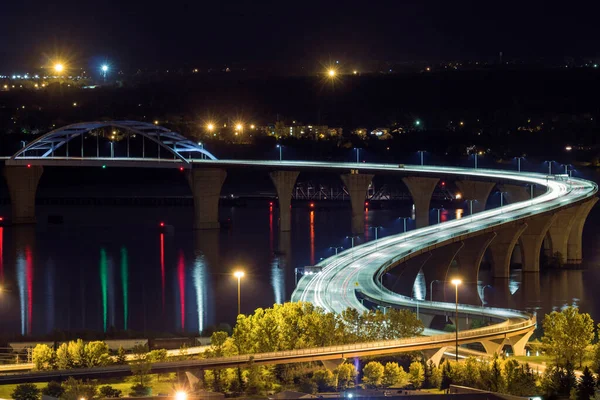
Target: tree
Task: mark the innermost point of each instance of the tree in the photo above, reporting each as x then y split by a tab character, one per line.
159	355
567	334
346	374
587	386
391	374
63	360
141	364
26	391
121	358
139	390
324	379
446	380
53	389
372	374
435	379
417	374
76	389
96	354
108	392
43	357
77	354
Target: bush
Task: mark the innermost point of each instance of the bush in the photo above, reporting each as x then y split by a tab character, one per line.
140	391
53	389
109	392
26	391
43	357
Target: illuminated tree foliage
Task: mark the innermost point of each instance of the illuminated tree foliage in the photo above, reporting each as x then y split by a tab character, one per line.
567	334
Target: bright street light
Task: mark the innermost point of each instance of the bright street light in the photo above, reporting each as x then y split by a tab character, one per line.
180	395
58	67
331	73
456	282
239	275
104	68
210	126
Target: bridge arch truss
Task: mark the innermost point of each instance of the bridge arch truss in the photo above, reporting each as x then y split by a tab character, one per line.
44	147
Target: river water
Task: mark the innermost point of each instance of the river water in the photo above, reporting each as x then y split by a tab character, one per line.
111	268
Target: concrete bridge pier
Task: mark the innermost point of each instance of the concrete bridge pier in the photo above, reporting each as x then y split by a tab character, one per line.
421	189
560	230
532	240
468	261
284	182
574	253
22	185
476	190
436	269
493	346
515	193
435	355
502	247
206	184
357	185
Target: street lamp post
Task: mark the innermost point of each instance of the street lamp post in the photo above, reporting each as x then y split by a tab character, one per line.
519	163
438	213
112	149
483	294
549	167
352	239
336	249
502	198
470	206
421	153
357	155
239	275
456	282
280	147
376	230
404	221
431	289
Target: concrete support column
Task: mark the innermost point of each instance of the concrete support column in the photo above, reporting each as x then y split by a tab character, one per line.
493	346
518	343
357	186
574	254
515	193
407	274
561	228
434	355
436	267
421	190
468	261
476	190
22	185
502	247
284	182
532	240
206	184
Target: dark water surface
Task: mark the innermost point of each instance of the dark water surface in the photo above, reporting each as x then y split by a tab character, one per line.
110	267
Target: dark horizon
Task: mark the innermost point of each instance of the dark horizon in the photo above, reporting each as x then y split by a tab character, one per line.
142	35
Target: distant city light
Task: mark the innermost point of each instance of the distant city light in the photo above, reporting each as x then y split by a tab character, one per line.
210	126
568	148
58	67
458	196
104	68
252	126
331	73
418	122
239	127
355	72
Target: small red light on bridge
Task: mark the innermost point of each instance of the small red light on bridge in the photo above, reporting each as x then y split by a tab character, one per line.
181	168
28	165
312	205
366	204
162	224
270	203
1	219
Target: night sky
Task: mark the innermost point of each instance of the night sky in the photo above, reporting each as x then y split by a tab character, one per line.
152	34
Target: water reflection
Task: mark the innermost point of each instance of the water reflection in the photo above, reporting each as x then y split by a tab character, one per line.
162	270
206	255
125	286
181	287
104	287
1	256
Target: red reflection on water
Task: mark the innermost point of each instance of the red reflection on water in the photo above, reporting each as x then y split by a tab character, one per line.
1	259
312	238
162	268
271	228
29	269
444	215
181	277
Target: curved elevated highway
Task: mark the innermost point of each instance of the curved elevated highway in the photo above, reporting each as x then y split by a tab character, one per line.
355	273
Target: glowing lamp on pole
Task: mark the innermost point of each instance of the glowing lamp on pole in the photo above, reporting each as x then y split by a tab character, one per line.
456	282
239	275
